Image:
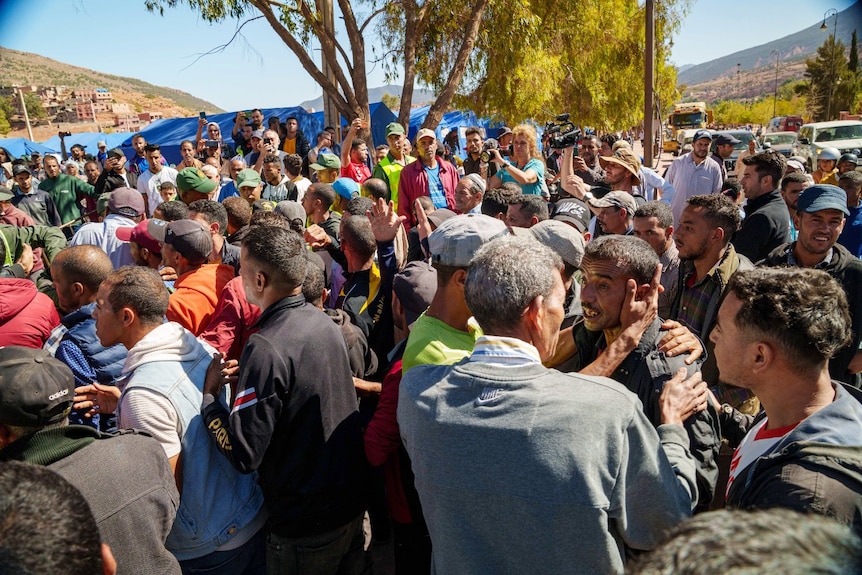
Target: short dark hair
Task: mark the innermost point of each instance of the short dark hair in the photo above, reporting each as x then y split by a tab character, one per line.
763	541
314	284
238	211
323	192
472	130
633	255
357	143
381	147
267	218
293	164
610	139
854	176
356	233
795	177
48	526
212	211
426	203
731	188
768	163
498	200
804	311
86	264
376	188
174	210
279	252
658	210
358	206
533	205
719	211
140	288
273	159
192	144
152	148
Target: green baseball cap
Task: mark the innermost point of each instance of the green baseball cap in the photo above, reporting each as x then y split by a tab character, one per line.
192	179
394	128
6	196
247	178
326	162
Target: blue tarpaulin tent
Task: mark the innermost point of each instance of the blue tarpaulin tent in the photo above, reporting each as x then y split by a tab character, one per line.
21	146
88	140
170	132
381	116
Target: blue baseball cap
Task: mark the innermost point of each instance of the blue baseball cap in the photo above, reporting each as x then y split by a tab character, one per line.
346	188
702	134
822	197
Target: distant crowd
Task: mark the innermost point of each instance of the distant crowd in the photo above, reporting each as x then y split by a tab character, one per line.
293	355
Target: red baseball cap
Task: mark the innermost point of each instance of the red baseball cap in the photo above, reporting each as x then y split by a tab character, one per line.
140	236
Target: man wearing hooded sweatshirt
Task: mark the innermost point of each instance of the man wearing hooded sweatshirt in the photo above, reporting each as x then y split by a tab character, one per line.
186	246
218	524
775	333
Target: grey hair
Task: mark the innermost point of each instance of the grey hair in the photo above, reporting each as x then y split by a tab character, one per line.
504	278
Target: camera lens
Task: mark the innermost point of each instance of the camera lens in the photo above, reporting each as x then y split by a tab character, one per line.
485	157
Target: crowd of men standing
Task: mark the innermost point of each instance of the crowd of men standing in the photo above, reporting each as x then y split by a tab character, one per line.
272	355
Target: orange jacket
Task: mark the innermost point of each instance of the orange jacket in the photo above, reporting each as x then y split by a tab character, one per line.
196	295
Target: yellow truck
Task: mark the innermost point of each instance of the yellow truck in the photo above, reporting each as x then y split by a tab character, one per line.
685	116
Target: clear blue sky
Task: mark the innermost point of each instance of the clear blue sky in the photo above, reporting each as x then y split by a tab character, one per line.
120	37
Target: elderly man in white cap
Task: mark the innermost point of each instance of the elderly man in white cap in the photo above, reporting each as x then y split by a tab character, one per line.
469	194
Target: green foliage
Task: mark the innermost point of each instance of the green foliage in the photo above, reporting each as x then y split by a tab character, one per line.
6	106
5	127
853	60
34	106
735	112
826	70
390	101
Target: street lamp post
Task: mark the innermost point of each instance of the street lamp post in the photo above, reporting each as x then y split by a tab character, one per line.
775	86
831	13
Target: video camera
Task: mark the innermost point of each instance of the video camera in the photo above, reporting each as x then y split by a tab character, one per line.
562	133
492	144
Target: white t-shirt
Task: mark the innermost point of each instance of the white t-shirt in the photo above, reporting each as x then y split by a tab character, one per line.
149	184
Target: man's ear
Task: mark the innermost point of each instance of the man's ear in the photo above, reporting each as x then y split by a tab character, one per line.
127	316
78	289
641	291
460	277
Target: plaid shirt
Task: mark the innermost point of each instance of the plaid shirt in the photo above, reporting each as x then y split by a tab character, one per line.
695	297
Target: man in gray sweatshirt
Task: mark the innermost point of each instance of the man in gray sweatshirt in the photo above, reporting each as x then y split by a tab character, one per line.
521	468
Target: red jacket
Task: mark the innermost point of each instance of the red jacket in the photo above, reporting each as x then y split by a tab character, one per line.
230	325
27	316
196	295
414	183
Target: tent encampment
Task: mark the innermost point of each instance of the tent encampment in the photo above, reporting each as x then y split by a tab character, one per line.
22	146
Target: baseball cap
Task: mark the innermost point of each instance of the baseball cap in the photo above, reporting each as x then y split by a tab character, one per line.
189	237
702	134
126	202
5	196
796	165
425	133
77	146
140	236
415	287
615	200
7	166
503	131
822	197
101	144
247	178
394	128
116	153
263	206
346	188
566	241
291	210
20	169
193	179
722	139
626	158
35	389
326	162
573	211
257	134
456	241
440	215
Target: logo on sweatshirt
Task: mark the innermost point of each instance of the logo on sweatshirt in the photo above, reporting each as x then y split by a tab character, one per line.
245	398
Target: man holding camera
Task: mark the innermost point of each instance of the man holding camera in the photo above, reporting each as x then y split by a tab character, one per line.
473	163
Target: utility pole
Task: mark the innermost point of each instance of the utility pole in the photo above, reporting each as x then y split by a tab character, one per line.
831	13
775	86
26	115
649	97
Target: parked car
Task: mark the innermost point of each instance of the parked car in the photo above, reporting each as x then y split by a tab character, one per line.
781	142
844	135
744	136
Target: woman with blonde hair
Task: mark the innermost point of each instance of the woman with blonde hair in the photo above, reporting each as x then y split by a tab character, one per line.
524	167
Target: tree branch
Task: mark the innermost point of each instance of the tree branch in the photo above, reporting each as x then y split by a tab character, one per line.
223	47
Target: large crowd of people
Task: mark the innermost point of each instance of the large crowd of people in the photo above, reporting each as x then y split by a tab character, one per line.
278	357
